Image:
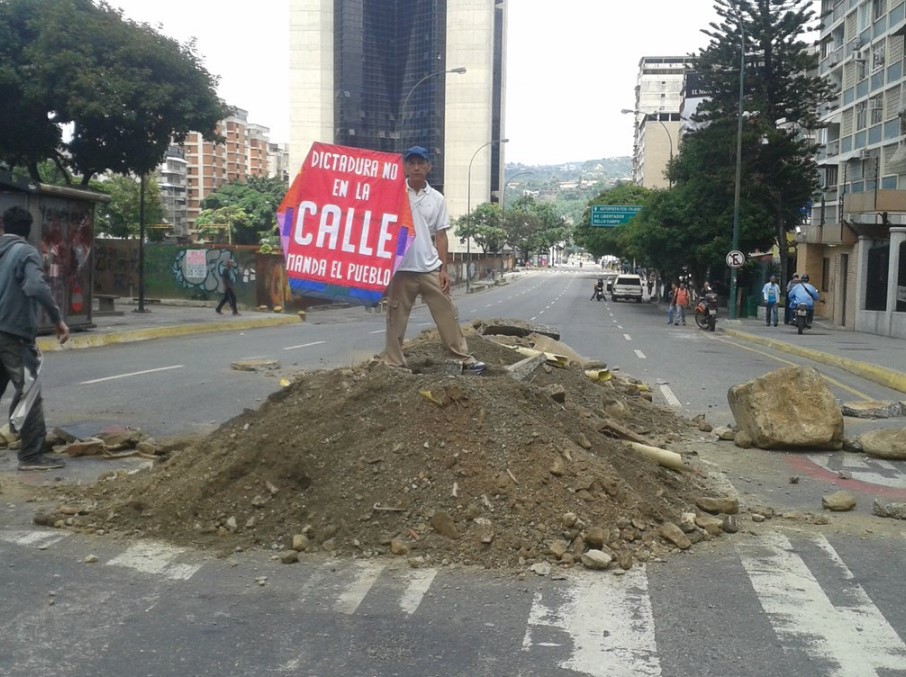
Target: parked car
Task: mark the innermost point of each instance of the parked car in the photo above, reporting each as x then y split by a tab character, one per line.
628	287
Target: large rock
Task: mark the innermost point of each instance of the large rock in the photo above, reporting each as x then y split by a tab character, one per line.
790	408
889	443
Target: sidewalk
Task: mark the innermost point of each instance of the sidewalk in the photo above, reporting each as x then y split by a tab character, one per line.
879	359
163	320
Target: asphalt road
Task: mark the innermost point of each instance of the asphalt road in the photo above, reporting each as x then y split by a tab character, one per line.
781	598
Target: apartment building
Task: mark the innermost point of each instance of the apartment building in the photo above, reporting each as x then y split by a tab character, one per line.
656	114
854	249
388	74
172	182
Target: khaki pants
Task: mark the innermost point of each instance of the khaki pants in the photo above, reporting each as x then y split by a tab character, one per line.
404	289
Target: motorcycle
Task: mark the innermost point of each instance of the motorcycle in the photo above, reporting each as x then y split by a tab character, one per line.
706	311
599	294
803	321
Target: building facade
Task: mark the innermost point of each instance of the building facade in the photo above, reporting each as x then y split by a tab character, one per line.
658	123
389	74
854	248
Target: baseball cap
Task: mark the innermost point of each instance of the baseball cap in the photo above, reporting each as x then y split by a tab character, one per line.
416	151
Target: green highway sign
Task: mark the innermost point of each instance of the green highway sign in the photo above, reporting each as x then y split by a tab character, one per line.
613	215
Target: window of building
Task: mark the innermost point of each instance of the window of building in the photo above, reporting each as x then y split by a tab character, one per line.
825	273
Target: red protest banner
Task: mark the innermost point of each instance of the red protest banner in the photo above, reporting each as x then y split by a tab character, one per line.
345	223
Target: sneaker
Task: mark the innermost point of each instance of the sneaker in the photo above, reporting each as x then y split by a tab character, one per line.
475	368
43	462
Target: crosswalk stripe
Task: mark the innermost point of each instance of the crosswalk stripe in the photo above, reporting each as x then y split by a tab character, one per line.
152	557
609	620
800	611
41	539
366	575
419	582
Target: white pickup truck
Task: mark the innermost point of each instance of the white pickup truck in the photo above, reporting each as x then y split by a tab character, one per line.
628	287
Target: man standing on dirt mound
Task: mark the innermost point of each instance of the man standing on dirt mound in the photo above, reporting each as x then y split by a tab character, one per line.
423	271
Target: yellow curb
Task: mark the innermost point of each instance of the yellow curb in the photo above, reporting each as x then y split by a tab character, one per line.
895	380
77	341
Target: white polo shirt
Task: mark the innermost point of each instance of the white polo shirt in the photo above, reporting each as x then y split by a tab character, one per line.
429	215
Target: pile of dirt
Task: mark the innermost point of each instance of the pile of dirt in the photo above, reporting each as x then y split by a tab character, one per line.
441	467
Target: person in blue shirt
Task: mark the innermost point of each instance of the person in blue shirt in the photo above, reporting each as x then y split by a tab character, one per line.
803	292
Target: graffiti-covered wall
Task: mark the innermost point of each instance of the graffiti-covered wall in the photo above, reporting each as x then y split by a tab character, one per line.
186	272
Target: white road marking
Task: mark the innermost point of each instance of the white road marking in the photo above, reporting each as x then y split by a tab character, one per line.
155	558
41	539
419	582
610	622
133	373
640	354
627	337
670	397
305	345
854	637
377	331
355	592
828	549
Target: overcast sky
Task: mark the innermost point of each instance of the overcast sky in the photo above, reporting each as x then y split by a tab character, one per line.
572	64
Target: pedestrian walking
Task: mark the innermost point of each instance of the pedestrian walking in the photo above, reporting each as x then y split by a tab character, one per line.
229	294
771	294
681	298
22	289
671	303
423	271
788	310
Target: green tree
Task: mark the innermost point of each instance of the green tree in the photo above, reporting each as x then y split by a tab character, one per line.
120	216
532	227
599	241
258	198
781	97
126	90
228	224
485	227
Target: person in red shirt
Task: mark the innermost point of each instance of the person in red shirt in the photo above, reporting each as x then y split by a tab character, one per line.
681	297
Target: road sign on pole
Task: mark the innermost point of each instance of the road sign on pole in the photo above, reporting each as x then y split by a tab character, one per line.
736	259
613	215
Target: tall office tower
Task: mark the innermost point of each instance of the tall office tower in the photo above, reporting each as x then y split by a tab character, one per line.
658	98
389	74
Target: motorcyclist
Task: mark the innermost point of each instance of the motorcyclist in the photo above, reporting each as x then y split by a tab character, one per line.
803	292
598	291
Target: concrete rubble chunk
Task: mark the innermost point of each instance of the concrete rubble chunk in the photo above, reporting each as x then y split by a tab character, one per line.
520	328
725	432
595	560
444	525
789	408
889	444
255	365
713	525
839	501
715	505
894	510
523	369
672	533
90	447
872	409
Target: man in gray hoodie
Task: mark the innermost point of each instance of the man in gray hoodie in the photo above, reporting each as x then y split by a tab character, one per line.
22	288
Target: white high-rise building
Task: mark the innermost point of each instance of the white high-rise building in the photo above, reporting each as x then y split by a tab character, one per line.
658	100
389	74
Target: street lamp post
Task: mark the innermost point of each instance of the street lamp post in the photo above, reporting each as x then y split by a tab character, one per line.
731	305
459	70
469	207
666	131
